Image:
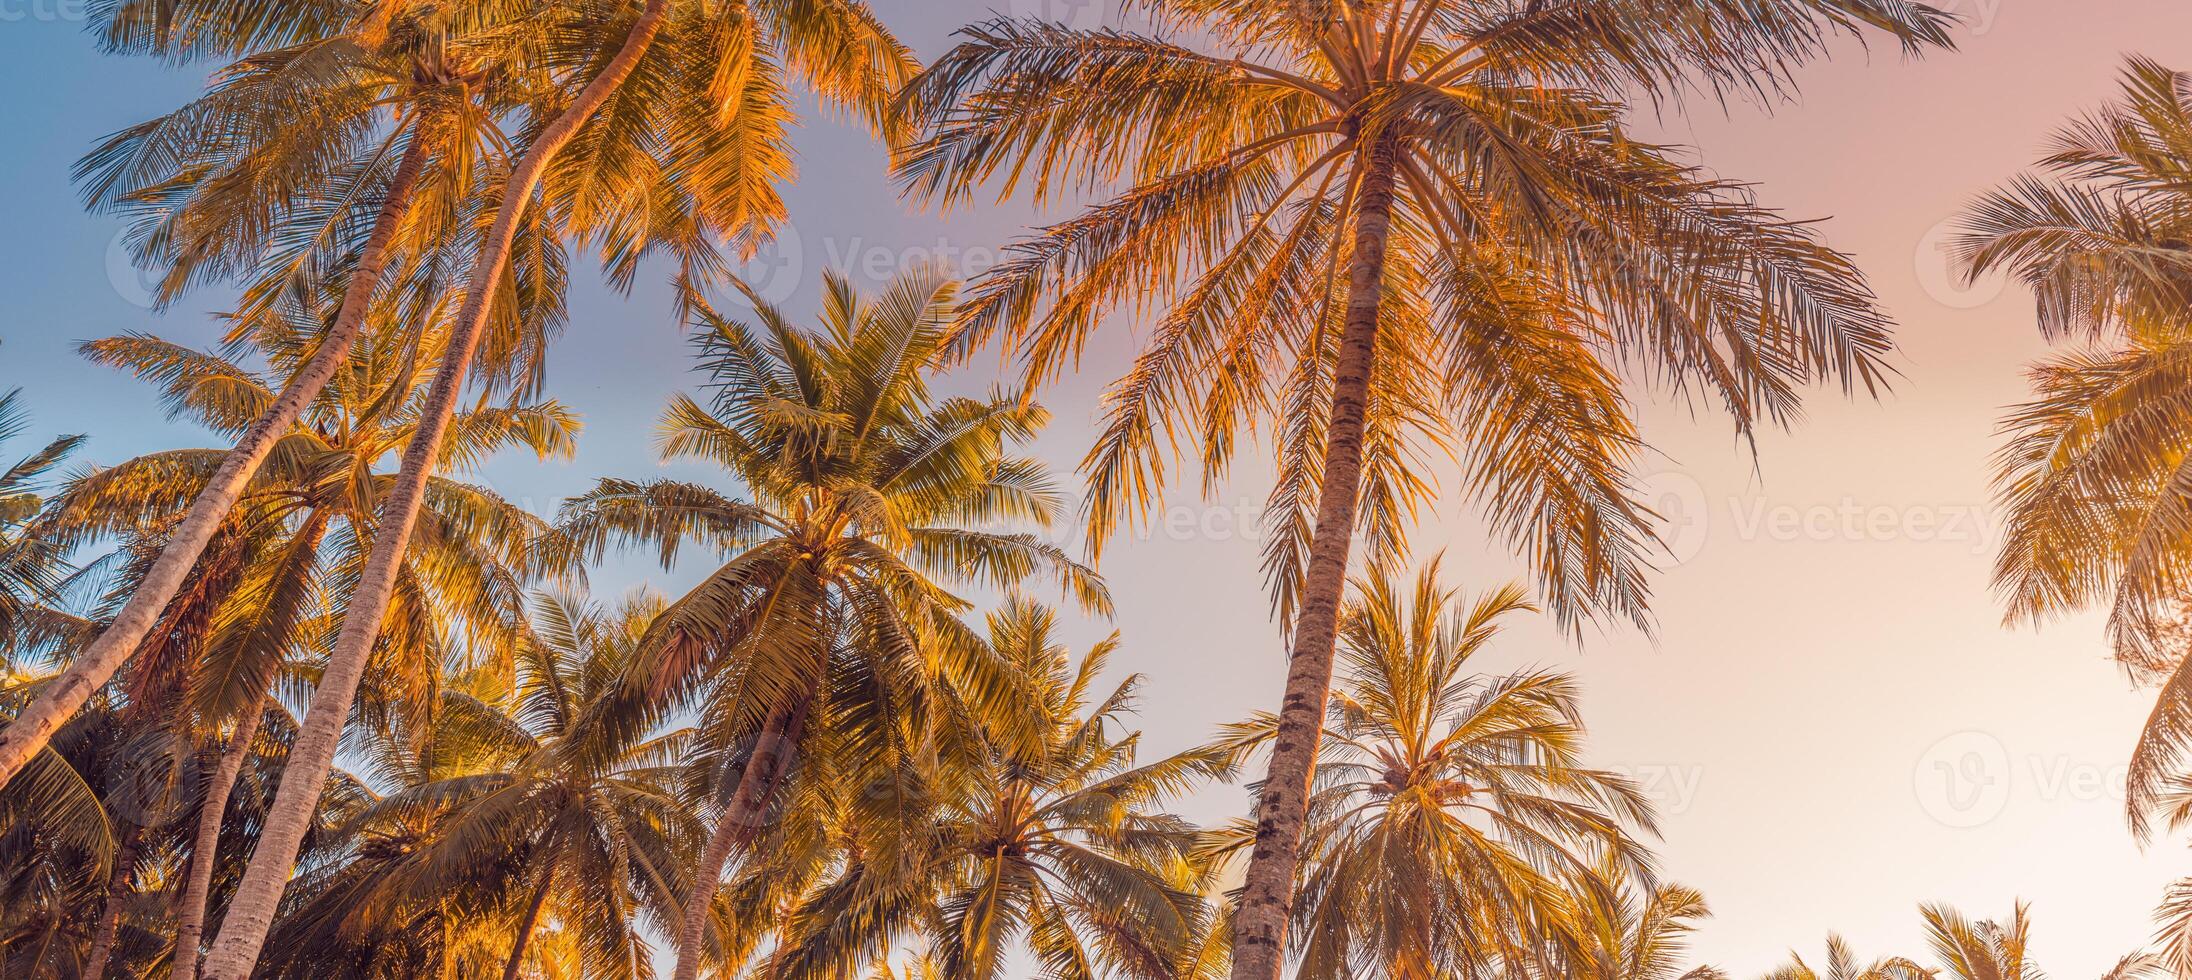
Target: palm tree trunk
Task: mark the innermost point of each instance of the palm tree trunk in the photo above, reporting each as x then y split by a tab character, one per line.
205	846
110	916
765	767
206	843
252	913
1282	809
532	918
91	669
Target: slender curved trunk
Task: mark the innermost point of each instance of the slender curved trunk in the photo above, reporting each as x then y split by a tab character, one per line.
206	843
110	915
1259	925
90	669
765	767
532	918
252	913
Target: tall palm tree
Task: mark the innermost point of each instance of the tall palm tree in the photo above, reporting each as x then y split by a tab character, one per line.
1402	227
870	499
1842	964
31	568
835	45
567	819
1453	810
266	179
2090	471
462	586
1048	842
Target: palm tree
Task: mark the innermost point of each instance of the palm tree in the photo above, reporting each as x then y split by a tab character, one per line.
520	797
1984	950
869	497
2173	941
1842	965
95	831
2089	472
2139	966
1632	933
265	179
60	847
917	968
1049	840
1404	227
1453	810
1987	950
820	42
462	584
31	568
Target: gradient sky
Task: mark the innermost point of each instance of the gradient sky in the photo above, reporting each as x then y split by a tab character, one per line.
1832	718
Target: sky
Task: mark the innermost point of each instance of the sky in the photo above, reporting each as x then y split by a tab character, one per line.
1832	718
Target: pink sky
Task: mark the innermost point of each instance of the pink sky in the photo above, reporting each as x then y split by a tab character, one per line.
1833	719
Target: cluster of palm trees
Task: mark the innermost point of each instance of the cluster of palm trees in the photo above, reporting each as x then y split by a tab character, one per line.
315	706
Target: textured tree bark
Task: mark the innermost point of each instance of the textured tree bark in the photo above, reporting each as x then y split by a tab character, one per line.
91	669
206	840
532	918
244	930
206	843
110	915
765	768
1259	924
